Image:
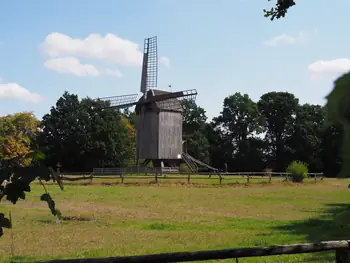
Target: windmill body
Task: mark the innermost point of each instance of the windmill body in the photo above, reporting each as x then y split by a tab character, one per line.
159	128
158	114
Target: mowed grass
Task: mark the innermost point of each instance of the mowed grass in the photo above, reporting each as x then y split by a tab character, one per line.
115	220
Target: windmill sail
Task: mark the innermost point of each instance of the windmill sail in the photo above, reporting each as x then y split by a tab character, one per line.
149	76
123	101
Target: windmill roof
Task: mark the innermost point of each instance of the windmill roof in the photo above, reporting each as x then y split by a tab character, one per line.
172	104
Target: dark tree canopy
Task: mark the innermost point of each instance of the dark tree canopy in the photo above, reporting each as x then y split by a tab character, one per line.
79	135
280	9
194	133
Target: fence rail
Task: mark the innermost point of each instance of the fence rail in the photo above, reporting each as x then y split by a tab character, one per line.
342	254
170	173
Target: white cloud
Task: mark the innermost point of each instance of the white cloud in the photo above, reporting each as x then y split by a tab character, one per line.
71	65
325	67
165	61
17	92
285	39
115	73
107	48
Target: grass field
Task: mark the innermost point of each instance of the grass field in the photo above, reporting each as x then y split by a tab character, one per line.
113	220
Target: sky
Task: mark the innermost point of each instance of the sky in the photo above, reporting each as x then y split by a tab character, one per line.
94	49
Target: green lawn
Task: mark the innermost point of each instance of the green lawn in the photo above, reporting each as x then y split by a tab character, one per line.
114	220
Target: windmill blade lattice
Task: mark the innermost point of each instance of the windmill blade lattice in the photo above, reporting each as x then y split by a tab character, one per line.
123	101
149	77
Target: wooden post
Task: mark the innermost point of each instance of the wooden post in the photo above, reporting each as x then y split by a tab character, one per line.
189	178
156	178
122	177
220	178
342	256
58	168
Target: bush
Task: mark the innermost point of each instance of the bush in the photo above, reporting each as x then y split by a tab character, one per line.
298	171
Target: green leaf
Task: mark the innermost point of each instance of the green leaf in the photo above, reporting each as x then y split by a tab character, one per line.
51	203
4	222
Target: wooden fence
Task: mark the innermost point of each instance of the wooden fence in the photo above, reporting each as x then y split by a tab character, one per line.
341	248
158	175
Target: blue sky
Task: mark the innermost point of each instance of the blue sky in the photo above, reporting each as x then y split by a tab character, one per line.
217	47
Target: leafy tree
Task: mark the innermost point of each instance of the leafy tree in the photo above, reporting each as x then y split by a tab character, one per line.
238	122
220	149
330	153
306	138
280	10
338	113
337	101
21	162
240	117
279	112
16	132
82	134
194	131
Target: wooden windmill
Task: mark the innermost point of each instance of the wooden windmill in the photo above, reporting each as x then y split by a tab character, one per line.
158	113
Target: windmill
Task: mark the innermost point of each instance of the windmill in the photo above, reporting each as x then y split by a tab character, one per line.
158	114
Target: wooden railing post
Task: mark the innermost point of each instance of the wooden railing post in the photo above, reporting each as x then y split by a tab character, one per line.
342	256
122	177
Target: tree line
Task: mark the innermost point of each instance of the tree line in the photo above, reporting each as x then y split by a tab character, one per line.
77	135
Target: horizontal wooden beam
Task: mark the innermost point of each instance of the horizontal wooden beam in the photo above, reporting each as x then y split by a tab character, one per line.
218	254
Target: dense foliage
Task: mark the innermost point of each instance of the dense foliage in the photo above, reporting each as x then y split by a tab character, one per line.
78	134
338	101
21	162
298	171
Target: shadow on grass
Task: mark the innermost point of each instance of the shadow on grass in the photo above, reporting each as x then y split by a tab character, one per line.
68	218
333	223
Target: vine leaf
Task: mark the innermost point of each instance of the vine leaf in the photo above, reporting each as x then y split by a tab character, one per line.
51	203
4	222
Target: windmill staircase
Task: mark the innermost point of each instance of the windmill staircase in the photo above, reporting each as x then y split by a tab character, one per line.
193	163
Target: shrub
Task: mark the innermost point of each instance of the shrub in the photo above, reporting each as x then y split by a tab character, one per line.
298	171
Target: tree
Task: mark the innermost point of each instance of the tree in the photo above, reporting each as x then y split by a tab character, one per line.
21	162
306	138
338	113
194	133
280	10
337	101
16	132
238	122
279	112
330	153
81	135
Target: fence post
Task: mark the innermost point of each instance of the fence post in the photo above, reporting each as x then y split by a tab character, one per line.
342	256
122	177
